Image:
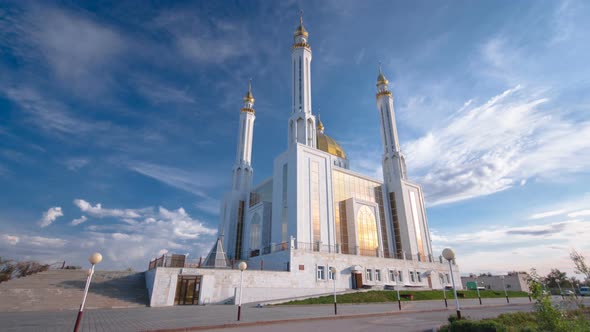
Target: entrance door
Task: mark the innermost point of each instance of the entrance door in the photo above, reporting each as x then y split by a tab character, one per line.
187	290
357	280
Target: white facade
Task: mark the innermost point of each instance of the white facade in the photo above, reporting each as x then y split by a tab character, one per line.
318	210
297	272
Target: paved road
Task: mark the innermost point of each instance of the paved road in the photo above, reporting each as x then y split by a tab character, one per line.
408	322
142	319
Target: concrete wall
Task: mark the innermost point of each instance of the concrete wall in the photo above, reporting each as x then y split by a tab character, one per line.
221	285
515	282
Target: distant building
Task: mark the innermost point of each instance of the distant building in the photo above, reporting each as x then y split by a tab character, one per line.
312	214
515	281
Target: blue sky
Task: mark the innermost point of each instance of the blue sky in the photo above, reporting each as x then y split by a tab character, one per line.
118	119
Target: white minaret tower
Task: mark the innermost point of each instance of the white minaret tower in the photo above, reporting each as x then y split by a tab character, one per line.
301	123
406	200
242	170
394	165
233	207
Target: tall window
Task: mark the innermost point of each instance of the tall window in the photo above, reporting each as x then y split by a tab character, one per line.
369	275
400	276
367	231
321	272
419	276
412	278
417	228
284	197
255	231
392	275
315	202
377	275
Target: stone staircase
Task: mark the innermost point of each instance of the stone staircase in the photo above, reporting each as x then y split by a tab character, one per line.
64	289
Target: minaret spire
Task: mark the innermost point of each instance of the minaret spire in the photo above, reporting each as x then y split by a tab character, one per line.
242	167
302	127
394	165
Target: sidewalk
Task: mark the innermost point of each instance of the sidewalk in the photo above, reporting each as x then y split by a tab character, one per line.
206	317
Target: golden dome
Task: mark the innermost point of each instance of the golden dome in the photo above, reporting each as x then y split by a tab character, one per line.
249	97
329	145
301	30
319	126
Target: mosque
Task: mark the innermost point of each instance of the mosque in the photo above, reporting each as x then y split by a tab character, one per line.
314	215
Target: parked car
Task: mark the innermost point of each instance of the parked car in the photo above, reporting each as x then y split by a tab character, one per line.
585	291
567	292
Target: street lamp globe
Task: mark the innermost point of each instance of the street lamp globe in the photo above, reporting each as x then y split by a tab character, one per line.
333	269
242	266
448	254
95	258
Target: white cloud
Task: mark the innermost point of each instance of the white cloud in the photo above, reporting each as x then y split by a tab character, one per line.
494	146
79	221
548	214
98	212
74	164
77	49
50	216
36	241
581	213
141	234
11	239
501	249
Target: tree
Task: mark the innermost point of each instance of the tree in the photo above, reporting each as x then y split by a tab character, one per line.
10	269
7	268
555	277
580	263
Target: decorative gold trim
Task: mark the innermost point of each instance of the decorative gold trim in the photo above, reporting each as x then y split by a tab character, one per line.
247	110
249	99
302	45
383	93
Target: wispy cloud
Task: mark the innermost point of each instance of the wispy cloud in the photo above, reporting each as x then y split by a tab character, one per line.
36	241
548	214
494	146
158	93
50	216
191	181
99	212
78	221
501	249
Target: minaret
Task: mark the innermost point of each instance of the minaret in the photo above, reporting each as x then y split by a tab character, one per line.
394	165
242	170
302	122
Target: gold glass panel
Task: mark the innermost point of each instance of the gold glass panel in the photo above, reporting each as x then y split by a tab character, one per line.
367	231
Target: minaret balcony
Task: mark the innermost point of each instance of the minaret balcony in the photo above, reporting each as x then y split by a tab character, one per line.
383	93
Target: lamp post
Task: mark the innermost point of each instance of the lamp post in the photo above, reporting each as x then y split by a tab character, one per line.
93	259
242	266
559	286
333	270
449	255
477	287
395	278
444	284
505	292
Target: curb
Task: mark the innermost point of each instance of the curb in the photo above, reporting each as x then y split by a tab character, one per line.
293	320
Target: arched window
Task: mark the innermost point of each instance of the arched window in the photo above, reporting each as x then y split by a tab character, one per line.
255	231
367	231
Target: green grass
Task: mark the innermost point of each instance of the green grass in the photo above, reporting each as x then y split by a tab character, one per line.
573	321
391	296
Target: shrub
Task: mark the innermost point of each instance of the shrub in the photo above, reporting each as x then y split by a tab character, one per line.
476	326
